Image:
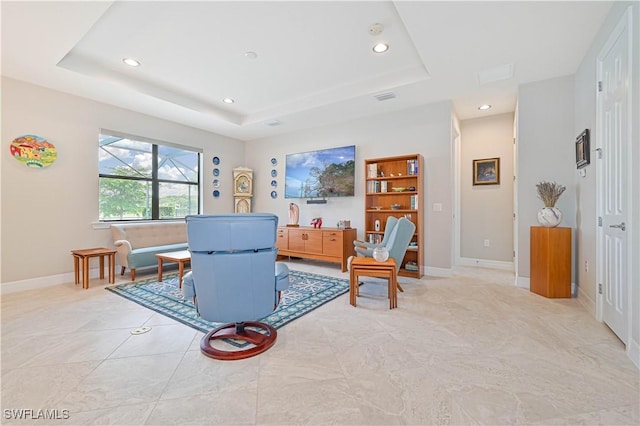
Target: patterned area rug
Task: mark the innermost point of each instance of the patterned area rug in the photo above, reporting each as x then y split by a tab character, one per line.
305	293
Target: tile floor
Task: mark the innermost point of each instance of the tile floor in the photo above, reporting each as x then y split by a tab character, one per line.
471	349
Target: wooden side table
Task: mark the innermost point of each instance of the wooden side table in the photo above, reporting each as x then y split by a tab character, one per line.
180	257
366	266
551	261
84	255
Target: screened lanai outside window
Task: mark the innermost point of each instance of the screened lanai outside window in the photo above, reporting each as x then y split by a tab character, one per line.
146	180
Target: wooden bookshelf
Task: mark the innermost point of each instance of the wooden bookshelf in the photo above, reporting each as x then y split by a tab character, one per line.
394	187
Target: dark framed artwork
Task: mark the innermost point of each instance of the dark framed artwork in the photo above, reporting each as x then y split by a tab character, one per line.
486	171
582	149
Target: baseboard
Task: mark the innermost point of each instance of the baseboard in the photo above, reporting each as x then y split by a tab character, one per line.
523	282
633	352
438	272
42	282
493	264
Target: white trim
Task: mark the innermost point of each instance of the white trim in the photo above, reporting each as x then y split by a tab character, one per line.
493	264
588	303
523	282
48	281
438	272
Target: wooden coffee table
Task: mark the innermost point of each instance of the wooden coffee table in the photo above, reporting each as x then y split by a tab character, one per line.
180	257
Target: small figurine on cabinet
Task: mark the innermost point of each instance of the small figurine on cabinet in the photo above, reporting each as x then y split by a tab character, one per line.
294	214
317	222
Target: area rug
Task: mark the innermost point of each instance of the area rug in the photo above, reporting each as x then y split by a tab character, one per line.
305	293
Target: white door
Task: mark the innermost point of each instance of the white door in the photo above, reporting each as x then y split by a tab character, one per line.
613	168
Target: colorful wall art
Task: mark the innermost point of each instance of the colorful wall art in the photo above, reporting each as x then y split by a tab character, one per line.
33	151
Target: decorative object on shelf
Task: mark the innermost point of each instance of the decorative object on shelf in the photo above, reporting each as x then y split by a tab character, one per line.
412	188
216	172
395	206
216	193
380	254
582	149
486	171
274	194
316	222
274	162
344	224
549	192
274	173
376	225
399	189
33	151
274	183
294	214
242	189
216	161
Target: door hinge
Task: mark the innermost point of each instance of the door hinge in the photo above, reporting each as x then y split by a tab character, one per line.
599	151
599	86
599	288
514	253
599	220
514	216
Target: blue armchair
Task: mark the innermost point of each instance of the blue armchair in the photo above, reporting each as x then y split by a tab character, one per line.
235	279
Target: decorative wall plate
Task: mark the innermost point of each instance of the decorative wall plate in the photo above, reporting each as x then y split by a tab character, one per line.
216	183
274	173
33	151
274	162
274	194
216	193
274	183
216	172
216	161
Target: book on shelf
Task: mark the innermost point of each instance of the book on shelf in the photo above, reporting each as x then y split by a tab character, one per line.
383	186
412	167
375	238
413	202
372	170
373	186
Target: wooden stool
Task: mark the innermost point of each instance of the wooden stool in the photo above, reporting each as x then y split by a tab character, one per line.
366	266
84	255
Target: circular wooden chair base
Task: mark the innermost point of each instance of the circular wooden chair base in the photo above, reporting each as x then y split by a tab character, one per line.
261	341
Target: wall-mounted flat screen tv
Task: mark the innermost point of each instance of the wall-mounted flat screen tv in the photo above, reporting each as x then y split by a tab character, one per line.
323	173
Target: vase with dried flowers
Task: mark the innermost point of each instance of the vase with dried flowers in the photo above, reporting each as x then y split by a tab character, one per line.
549	192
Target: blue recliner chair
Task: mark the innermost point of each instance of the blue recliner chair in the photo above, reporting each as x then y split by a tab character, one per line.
235	278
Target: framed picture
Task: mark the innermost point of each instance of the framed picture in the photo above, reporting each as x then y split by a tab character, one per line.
582	149
486	171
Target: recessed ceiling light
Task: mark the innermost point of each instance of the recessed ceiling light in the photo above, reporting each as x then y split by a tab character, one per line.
381	47
131	62
484	107
250	55
228	101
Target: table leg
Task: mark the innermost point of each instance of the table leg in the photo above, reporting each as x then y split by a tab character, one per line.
85	272
102	266
76	268
394	286
112	268
180	272
159	269
352	286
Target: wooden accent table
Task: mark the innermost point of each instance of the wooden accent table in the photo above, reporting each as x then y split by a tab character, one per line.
180	257
367	266
550	261
85	255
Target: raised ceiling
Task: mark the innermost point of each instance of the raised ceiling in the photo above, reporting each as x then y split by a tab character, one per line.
314	61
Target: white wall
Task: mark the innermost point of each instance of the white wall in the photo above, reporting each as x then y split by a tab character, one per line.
585	118
425	130
48	212
546	151
487	210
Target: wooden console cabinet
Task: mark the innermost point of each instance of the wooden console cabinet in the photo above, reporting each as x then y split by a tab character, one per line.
328	244
551	261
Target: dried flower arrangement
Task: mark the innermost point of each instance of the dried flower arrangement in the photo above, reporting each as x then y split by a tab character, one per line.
549	192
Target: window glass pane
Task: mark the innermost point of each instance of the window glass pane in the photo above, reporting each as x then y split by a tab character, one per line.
124	157
178	200
122	199
177	164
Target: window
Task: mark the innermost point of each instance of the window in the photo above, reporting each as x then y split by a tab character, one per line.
146	180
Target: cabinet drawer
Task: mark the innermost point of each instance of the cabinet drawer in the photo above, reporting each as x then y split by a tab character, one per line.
332	243
282	239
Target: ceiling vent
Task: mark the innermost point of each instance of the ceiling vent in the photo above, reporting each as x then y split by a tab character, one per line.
273	123
385	96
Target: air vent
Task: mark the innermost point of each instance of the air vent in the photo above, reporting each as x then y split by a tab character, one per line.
273	123
385	96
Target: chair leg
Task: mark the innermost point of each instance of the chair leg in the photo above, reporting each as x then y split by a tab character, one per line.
133	274
122	270
239	331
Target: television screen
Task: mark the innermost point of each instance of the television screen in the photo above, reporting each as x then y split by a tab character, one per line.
324	173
